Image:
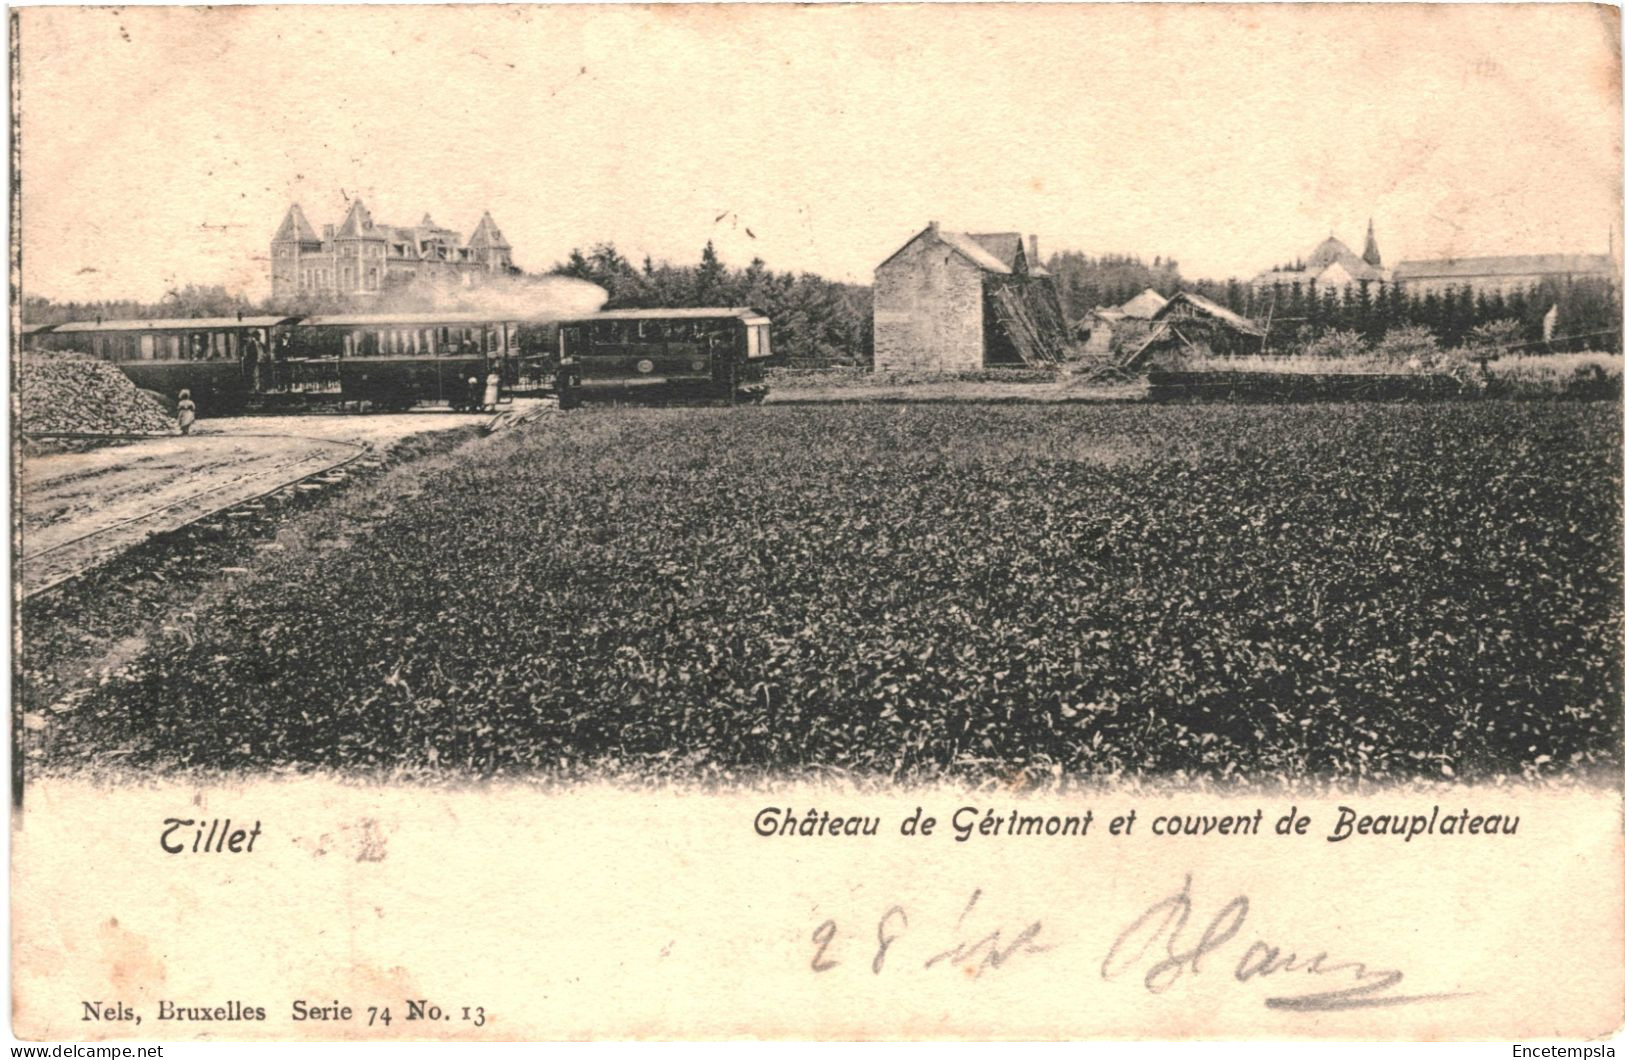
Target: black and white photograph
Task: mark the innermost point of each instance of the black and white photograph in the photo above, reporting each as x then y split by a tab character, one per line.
902	514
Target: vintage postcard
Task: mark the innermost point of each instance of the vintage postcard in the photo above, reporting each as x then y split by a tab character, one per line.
816	522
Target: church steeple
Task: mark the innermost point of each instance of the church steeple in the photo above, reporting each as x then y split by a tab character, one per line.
1372	256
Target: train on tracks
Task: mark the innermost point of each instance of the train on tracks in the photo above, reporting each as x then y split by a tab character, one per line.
698	352
394	361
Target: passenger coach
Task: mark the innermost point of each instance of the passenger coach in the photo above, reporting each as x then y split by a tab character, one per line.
382	360
204	355
699	352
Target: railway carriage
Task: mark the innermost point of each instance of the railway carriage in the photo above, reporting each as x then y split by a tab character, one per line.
398	360
228	363
204	355
717	352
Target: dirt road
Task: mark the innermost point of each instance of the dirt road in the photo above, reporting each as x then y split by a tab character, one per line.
81	509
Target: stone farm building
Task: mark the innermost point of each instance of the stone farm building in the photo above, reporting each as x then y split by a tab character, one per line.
1504	274
957	301
360	257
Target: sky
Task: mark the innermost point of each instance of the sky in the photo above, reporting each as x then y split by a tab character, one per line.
162	146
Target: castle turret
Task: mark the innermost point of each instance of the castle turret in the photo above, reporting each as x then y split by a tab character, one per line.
294	239
488	247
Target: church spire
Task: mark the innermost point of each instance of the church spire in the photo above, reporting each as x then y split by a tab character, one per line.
1372	256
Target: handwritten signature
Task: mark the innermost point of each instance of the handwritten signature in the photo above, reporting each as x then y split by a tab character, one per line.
1161	945
1159	936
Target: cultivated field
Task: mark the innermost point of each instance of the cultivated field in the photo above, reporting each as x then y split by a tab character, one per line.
918	592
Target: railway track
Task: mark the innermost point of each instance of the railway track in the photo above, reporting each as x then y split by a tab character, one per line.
45	568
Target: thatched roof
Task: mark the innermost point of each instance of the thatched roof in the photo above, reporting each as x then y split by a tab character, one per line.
1143	306
1208	308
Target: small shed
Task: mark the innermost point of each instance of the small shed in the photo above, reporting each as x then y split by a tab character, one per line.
1106	328
1191	324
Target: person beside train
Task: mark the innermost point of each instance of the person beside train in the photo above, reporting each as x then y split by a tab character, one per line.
251	361
185	412
493	387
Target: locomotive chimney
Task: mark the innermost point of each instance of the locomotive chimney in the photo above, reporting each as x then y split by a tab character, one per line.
1032	251
933	226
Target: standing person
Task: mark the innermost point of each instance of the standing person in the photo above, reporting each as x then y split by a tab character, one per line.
267	353
251	361
475	392
185	412
493	385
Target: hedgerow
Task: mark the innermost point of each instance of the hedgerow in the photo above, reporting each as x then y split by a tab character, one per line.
1347	592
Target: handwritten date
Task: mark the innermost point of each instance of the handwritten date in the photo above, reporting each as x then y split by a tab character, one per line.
976	952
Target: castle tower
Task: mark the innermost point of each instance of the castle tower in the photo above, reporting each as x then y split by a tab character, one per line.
487	246
294	239
1372	256
359	250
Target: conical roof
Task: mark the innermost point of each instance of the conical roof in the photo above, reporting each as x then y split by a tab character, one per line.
358	223
295	229
487	234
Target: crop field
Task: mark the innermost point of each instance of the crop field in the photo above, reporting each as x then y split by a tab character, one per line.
943	591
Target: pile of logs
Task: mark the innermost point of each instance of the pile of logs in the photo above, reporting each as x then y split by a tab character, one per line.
63	396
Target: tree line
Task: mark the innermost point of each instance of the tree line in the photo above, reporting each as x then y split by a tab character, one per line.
191	300
1299	313
816	322
1085	282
